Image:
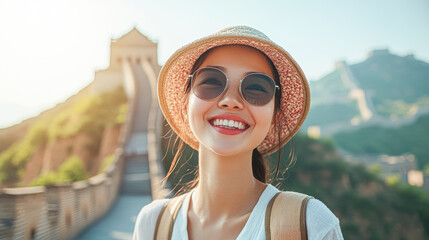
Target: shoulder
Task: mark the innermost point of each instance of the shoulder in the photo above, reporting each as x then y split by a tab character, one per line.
321	222
146	220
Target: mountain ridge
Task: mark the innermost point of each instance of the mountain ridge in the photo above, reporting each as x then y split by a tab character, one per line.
13	133
370	93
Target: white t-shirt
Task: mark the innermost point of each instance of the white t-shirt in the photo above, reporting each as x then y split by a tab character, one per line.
321	222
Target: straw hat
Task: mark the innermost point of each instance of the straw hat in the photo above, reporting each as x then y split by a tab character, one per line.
175	73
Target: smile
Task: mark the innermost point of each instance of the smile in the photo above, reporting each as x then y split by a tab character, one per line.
230	124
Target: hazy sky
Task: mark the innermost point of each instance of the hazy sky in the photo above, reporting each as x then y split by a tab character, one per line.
49	50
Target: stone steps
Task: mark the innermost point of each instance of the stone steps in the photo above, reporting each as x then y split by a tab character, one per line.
136	177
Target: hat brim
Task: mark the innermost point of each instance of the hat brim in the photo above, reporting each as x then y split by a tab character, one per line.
294	103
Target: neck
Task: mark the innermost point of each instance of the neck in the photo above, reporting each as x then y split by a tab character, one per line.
226	185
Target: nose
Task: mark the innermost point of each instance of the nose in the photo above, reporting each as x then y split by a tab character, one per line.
231	99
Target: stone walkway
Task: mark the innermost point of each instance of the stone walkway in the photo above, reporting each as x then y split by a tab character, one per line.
119	221
136	188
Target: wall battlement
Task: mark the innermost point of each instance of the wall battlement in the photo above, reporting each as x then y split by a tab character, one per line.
60	211
63	211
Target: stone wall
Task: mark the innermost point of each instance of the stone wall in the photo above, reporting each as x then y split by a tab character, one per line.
59	211
63	211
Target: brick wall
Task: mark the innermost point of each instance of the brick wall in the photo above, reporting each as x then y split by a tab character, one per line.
59	211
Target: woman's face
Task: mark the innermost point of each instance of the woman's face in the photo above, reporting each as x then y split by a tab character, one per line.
207	117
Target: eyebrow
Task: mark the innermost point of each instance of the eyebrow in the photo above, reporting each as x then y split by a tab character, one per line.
225	70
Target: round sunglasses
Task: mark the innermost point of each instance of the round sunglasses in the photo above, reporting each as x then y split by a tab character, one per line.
256	88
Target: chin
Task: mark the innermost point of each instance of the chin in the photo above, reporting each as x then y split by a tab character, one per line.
228	150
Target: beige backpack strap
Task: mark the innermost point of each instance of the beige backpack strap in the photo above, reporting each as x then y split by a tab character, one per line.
285	216
166	218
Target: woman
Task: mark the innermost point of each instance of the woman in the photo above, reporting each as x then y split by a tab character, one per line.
234	96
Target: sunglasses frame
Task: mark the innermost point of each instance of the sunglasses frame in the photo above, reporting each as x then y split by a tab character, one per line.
227	82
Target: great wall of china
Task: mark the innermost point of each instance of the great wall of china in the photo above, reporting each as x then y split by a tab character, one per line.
369	116
63	211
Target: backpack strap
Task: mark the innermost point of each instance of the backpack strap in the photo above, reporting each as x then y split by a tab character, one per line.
167	217
285	216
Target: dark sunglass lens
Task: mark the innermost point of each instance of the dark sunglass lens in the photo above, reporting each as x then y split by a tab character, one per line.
258	89
208	83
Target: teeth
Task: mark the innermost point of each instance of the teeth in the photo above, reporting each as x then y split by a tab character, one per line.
229	123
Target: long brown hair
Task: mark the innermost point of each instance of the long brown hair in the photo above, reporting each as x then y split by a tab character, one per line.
260	167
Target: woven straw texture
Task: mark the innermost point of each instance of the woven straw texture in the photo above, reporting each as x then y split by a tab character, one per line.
174	75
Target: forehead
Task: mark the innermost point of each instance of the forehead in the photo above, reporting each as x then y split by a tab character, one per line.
235	58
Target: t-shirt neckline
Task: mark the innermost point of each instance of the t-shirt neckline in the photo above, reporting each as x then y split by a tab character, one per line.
252	223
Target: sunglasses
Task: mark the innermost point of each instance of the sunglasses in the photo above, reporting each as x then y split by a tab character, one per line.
256	88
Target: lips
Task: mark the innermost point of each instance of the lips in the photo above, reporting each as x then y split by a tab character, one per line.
231	124
228	124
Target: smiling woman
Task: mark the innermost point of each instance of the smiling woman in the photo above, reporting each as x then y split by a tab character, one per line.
234	96
230	106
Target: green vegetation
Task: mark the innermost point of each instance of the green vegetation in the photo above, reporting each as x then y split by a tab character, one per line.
70	171
13	159
328	86
45	179
367	207
393	180
90	114
390	107
106	162
324	114
392	141
426	169
395	108
122	113
397	86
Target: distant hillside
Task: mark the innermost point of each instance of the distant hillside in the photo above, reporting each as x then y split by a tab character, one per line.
393	80
79	134
413	138
18	131
367	207
383	86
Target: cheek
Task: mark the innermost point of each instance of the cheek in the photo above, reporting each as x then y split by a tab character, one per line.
196	112
264	116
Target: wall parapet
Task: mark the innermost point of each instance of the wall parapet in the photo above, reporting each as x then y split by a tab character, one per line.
157	173
62	211
59	211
